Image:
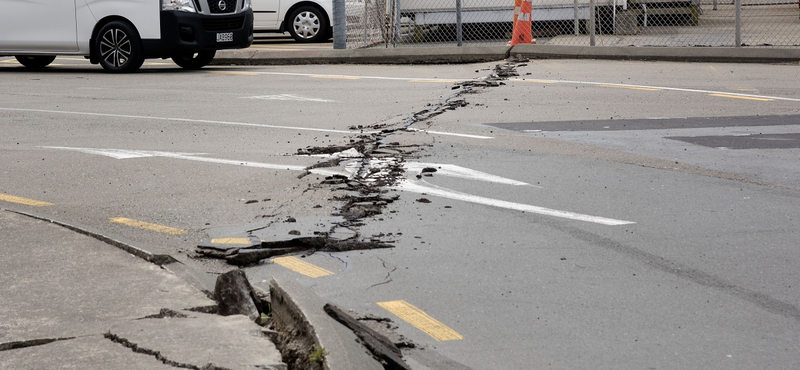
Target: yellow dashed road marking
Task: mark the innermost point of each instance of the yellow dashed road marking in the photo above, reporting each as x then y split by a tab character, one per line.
245	241
301	267
148	226
421	320
740	97
26	201
630	87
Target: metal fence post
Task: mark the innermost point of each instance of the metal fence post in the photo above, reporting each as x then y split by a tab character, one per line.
577	22
459	32
591	23
339	26
738	23
397	20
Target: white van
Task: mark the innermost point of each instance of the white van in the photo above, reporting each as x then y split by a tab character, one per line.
119	35
306	21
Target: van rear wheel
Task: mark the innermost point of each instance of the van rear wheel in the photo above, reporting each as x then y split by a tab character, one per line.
119	48
35	61
194	60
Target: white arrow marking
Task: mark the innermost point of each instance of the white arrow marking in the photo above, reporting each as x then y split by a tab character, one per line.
464	173
126	154
415	187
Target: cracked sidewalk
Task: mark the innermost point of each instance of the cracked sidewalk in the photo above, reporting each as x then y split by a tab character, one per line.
71	301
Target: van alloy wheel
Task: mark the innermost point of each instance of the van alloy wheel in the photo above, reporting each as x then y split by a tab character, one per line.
119	48
308	24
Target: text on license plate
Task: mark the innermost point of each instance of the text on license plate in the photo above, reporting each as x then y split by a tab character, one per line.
225	37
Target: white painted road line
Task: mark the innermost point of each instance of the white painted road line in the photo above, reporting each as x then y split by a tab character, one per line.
463	172
127	154
417	187
648	87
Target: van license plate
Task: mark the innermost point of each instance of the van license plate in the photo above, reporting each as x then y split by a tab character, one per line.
225	37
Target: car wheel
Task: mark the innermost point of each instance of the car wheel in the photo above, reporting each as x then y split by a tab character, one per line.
194	60
308	24
35	61
119	48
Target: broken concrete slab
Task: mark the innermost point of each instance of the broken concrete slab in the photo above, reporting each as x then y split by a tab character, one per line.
91	352
235	296
67	295
299	312
232	342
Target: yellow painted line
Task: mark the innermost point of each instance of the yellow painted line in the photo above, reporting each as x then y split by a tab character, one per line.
429	81
630	87
246	241
148	226
26	201
421	320
302	267
234	73
740	97
337	77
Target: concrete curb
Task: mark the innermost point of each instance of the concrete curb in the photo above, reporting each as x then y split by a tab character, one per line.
479	54
442	55
684	54
296	309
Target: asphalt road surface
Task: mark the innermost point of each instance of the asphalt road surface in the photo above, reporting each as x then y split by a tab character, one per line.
582	215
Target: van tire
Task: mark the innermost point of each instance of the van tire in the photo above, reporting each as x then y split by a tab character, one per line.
308	24
35	61
194	60
118	47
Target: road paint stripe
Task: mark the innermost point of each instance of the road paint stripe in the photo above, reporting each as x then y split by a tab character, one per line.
148	226
289	97
25	201
421	320
740	97
667	88
433	81
243	241
538	81
462	172
172	119
630	87
336	77
430	189
302	267
126	154
481	137
233	73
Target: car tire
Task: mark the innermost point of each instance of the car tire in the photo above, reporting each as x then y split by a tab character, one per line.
308	24
35	61
194	60
118	47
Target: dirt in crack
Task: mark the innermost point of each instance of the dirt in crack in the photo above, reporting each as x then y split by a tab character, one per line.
373	164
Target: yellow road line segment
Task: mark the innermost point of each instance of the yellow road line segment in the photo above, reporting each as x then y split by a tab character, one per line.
740	97
148	226
421	320
26	201
302	267
631	87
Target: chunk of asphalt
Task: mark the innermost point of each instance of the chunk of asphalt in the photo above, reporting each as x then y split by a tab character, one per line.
235	296
381	347
299	317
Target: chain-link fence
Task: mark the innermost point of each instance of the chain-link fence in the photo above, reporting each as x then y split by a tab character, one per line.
728	23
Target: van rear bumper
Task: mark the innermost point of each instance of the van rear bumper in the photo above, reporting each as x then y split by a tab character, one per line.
183	33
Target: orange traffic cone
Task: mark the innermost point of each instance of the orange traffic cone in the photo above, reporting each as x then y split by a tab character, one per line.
522	23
